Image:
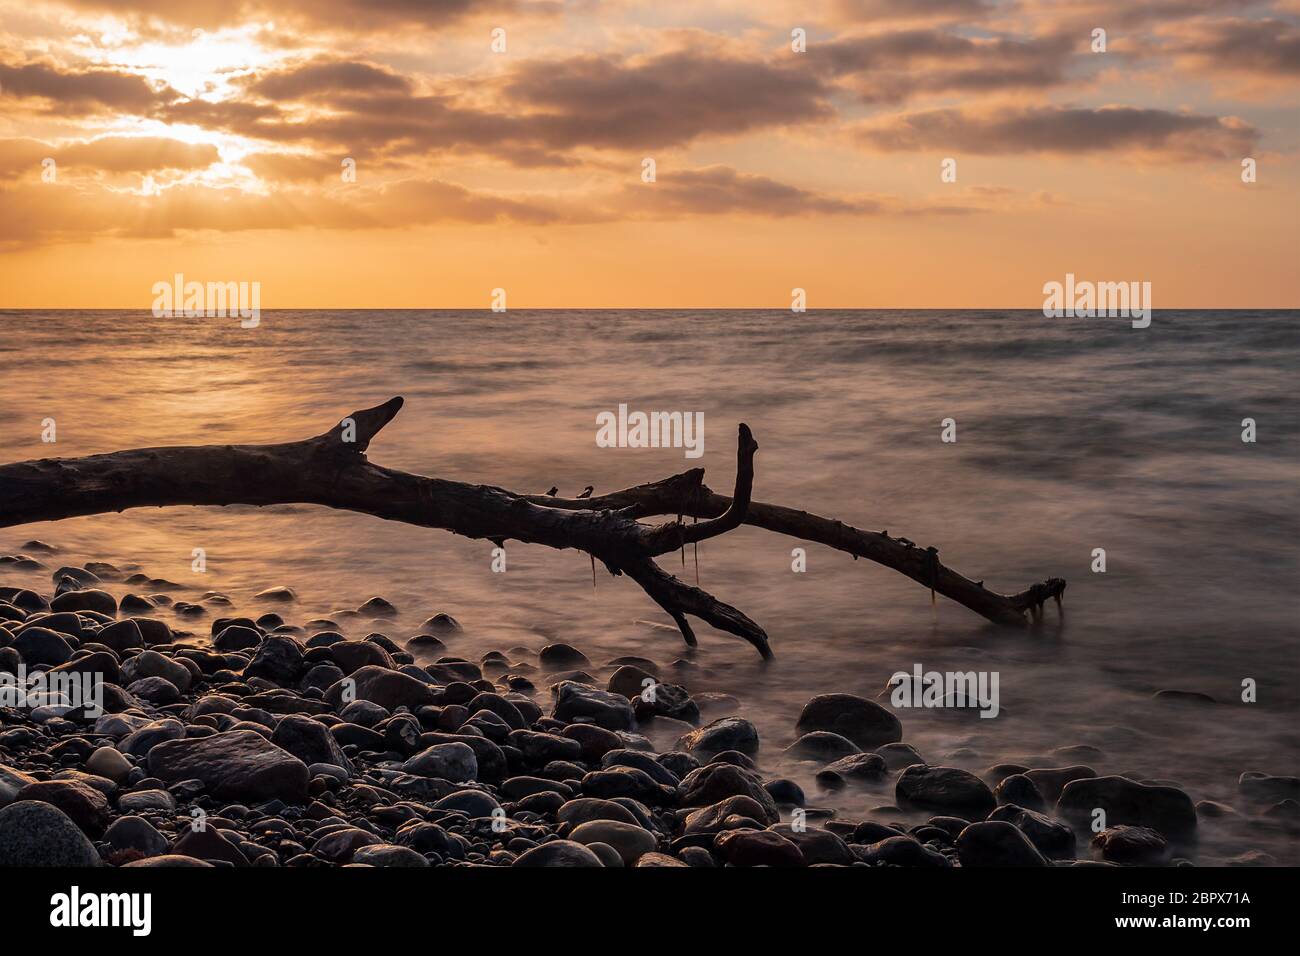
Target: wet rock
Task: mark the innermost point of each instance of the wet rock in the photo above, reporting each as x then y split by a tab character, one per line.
725	733
389	689
996	843
817	846
168	860
1050	782
785	792
563	657
440	624
1020	791
34	833
540	749
492	764
576	702
91	599
447	670
944	789
609	857
1138	846
278	659
209	844
659	859
237	637
626	782
451	761
757	848
899	755
671	701
558	853
872	831
377	607
630	680
388	855
631	841
140	801
140	741
822	746
12	781
716	782
156	690
153	664
39	645
901	851
235	765
1052	839
860	767
727	814
1164	809
339	845
583	809
321	677
136	833
277	595
121	636
500	706
862	721
83	804
310	741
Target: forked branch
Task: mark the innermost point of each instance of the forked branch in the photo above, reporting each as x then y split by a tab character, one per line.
332	470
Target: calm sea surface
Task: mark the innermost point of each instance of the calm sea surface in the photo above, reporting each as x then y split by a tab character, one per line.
1073	434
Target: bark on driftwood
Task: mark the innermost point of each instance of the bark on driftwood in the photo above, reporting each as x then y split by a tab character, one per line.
332	470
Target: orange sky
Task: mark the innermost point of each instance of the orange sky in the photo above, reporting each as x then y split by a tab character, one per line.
141	138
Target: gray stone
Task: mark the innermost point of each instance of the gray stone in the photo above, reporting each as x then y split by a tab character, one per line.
453	761
862	721
237	765
38	834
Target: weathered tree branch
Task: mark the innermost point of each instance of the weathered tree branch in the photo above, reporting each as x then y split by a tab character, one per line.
686	494
332	470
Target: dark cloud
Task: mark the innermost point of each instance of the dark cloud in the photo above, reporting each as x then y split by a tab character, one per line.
1064	130
901	64
133	154
294	167
881	10
534	115
664	100
715	190
351	16
74	92
320	77
1268	48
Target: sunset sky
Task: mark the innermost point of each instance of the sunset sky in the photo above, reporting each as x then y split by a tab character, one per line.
211	138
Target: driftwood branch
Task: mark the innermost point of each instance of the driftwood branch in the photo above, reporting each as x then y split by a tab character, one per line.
686	494
332	470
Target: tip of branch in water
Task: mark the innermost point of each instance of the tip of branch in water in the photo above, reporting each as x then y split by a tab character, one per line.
358	430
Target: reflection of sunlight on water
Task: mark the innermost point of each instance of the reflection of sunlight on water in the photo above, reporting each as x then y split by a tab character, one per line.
1093	439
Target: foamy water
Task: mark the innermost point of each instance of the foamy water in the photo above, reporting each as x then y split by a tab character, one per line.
1073	434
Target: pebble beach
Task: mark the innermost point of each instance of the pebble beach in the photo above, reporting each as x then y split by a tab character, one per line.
250	736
